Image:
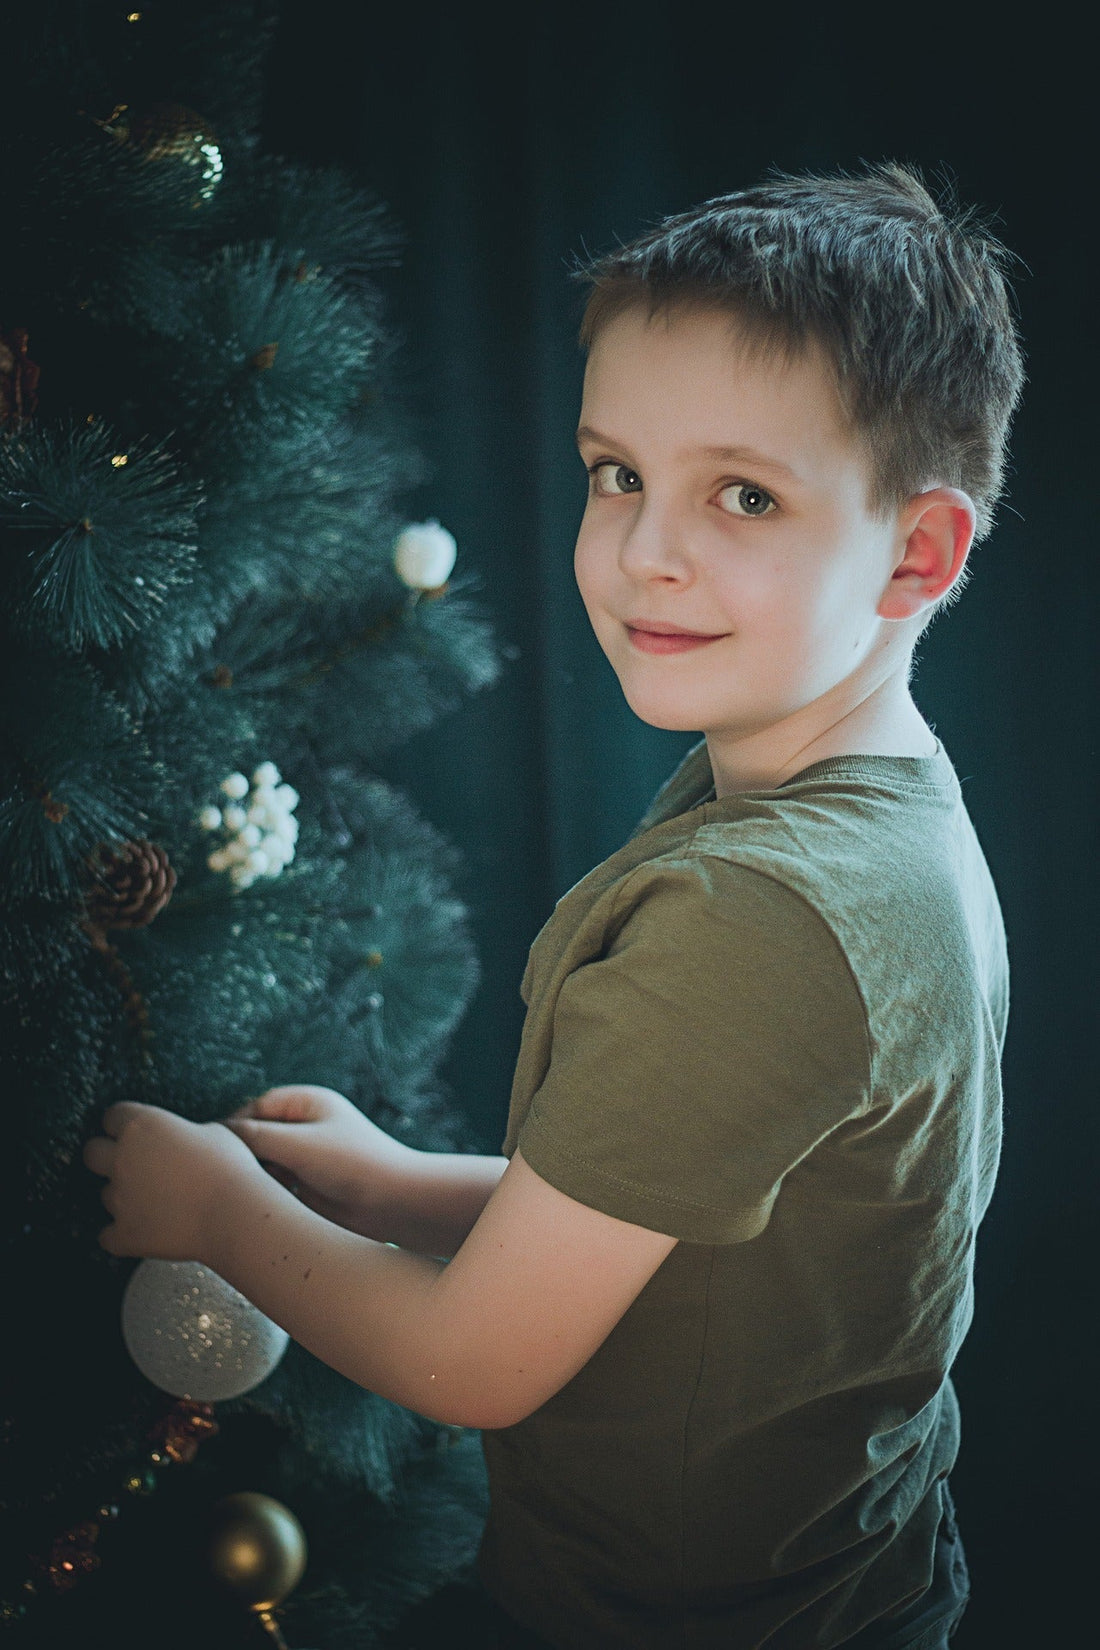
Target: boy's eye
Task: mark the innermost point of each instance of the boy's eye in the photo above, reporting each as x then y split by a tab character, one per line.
618	470
750	500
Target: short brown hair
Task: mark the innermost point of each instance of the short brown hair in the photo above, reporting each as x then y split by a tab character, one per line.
908	297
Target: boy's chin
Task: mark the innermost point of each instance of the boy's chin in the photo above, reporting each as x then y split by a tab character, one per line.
665	717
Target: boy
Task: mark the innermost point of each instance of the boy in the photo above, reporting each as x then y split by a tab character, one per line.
706	1303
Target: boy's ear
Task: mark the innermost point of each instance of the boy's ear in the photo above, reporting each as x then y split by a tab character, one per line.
936	530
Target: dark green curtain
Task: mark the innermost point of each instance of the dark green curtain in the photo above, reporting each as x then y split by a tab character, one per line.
505	141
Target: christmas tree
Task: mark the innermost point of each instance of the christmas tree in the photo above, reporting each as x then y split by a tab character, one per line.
216	618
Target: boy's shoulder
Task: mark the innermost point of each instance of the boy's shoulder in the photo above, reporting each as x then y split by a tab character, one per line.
883	853
879	851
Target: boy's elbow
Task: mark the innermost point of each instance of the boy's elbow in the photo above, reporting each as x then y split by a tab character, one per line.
482	1413
481	1403
473	1417
496	1416
505	1397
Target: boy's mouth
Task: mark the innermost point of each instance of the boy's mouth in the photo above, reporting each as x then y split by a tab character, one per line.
651	636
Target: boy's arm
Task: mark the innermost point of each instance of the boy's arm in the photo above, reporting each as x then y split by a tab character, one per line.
437	1199
481	1340
342	1165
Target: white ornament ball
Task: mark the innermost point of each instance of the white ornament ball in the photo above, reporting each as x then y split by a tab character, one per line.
234	816
236	786
266	775
210	818
194	1335
424	555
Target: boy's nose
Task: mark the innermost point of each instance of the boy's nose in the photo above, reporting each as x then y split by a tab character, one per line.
654	547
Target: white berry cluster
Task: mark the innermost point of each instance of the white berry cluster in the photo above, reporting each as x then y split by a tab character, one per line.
262	833
424	555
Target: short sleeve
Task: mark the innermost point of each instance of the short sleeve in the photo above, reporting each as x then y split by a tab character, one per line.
714	1043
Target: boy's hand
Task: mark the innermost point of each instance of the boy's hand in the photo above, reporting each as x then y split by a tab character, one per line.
168	1181
317	1143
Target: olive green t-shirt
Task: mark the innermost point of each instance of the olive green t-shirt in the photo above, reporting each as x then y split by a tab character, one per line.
770	1026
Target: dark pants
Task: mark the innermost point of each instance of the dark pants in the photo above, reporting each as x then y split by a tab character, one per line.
462	1616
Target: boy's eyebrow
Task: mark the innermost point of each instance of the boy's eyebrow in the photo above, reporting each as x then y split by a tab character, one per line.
746	455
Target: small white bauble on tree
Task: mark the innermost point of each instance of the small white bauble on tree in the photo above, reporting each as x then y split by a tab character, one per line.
194	1335
424	556
260	826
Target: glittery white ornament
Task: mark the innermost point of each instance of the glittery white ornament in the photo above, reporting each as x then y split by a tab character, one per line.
194	1335
424	555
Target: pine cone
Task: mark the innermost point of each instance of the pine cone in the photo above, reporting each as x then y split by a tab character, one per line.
134	882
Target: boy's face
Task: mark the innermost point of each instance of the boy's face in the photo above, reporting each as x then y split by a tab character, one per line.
772	551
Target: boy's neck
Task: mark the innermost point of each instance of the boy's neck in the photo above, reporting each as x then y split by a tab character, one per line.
879	726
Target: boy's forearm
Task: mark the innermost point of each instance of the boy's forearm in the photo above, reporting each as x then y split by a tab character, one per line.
438	1198
370	1311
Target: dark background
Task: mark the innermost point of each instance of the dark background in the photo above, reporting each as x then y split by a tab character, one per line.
505	142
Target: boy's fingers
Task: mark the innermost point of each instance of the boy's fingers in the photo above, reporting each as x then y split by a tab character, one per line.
249	1128
288	1104
117	1116
265	1139
99	1154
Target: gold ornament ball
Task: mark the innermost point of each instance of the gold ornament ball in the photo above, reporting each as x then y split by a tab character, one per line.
256	1549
